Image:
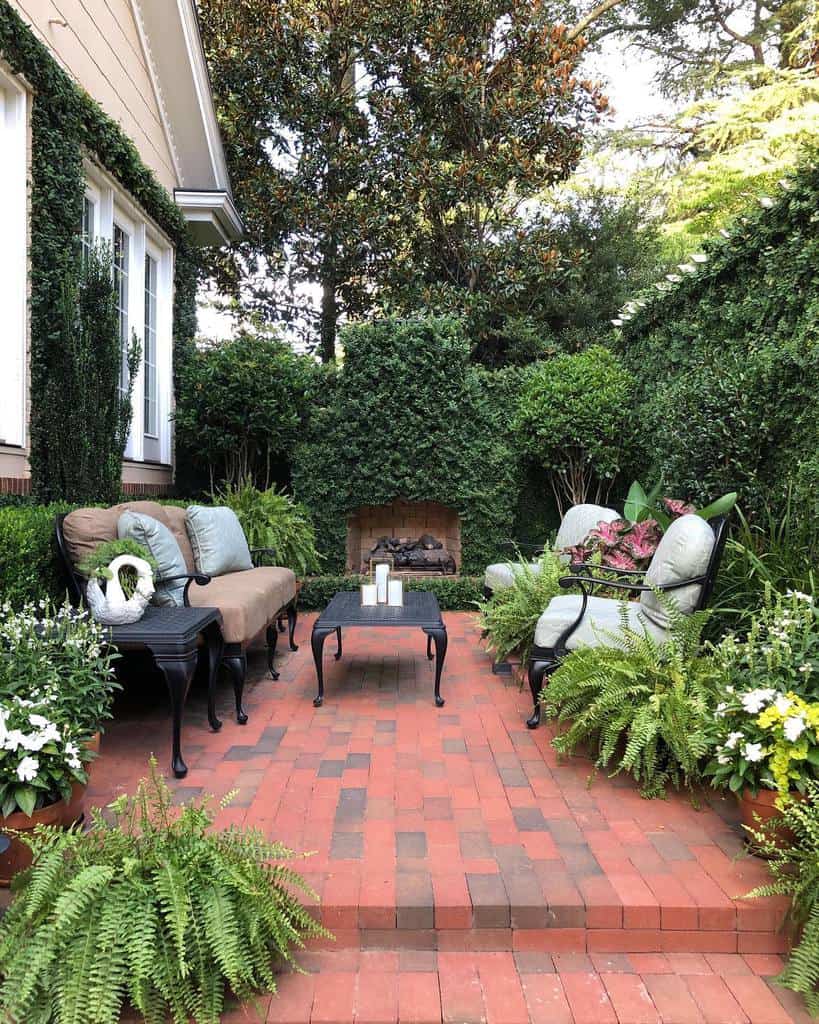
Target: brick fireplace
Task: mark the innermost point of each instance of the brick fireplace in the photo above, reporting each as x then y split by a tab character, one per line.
400	518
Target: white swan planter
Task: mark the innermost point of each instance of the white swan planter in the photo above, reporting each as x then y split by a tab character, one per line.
112	608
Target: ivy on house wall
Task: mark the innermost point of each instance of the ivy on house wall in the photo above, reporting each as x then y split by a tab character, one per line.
406	416
67	123
728	356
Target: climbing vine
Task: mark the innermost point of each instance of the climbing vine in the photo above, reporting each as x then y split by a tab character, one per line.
66	124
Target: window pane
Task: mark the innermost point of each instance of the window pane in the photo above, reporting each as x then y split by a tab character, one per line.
121	269
87	232
151	412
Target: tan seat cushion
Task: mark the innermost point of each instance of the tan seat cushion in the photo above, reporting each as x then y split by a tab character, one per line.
85	529
248	600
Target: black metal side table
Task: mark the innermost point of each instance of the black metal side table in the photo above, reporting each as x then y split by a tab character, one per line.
345	610
171	635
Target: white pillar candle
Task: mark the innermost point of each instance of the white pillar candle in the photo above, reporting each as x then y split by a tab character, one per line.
369	594
396	593
382	575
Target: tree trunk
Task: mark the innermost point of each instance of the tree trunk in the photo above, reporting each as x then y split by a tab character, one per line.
329	307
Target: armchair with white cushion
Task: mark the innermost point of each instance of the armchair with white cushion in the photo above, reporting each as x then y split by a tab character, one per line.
684	566
574	529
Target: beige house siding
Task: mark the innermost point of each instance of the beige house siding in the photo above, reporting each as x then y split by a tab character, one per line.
98	43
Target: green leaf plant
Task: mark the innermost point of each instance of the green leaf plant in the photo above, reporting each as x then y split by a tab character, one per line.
154	908
641	705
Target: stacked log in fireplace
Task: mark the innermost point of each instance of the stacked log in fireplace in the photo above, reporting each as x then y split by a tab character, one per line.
426	554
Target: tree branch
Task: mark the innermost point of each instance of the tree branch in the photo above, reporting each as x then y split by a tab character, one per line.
594	15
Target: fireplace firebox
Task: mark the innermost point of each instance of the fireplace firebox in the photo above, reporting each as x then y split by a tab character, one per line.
419	537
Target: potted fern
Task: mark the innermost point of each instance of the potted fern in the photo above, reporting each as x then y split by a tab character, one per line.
152	908
641	706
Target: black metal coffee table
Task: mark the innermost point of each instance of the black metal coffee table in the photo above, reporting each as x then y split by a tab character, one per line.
345	610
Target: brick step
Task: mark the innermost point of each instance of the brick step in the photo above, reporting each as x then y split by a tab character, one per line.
352	987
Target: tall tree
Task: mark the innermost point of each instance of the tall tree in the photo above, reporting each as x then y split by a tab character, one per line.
375	142
303	159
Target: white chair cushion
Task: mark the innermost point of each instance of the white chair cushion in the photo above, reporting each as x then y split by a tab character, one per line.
502	575
684	552
577	522
602	618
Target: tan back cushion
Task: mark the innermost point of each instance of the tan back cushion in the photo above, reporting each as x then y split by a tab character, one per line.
85	529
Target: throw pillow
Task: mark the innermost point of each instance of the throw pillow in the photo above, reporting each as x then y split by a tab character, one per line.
162	544
218	540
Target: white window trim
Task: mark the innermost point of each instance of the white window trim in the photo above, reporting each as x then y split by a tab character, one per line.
13	260
115	206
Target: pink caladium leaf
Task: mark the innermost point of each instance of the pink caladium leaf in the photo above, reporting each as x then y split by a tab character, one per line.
618	559
608	535
677	508
577	553
641	542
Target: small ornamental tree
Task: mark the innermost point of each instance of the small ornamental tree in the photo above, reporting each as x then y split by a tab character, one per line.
574	416
239	407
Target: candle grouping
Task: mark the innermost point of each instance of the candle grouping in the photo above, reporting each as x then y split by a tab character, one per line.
383	589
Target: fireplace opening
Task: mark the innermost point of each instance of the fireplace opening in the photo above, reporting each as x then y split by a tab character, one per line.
420	537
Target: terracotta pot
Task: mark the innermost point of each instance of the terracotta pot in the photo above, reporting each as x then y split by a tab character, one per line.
758	812
18	856
63	813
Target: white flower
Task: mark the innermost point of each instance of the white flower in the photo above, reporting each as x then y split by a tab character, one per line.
783	705
755	700
33	741
794	727
72	749
729	689
39	721
752	752
799	596
720	710
14	739
27	769
732	740
723	759
805	669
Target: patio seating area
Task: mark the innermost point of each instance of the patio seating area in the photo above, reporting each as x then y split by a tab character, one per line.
462	869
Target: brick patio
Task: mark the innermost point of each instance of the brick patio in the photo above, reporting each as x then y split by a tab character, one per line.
458	860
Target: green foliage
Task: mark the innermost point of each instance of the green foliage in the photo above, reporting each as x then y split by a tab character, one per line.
96	563
53	652
643	706
65	123
776	553
509	617
89	415
274	520
240	408
454	593
575	419
792	853
406	416
154	908
29	568
726	359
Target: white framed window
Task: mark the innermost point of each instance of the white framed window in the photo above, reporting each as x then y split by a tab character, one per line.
13	259
151	424
122	281
142	259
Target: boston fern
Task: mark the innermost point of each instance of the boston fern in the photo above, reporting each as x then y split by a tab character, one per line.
509	617
793	860
155	908
643	706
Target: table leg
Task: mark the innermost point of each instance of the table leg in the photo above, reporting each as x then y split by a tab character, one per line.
439	637
317	639
178	672
338	652
214	644
292	617
272	639
429	646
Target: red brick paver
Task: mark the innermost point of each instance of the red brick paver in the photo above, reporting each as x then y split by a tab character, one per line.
454	852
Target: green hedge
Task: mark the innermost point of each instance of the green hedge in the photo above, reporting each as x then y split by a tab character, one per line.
65	124
406	416
454	593
728	358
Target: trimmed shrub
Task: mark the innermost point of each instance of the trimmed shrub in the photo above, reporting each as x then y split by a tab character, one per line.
29	569
406	416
